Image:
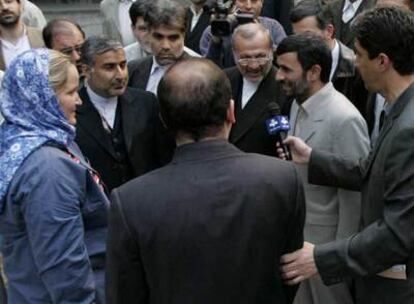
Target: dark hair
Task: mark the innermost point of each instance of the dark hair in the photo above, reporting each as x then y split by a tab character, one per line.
56	27
138	9
312	8
95	46
388	30
166	13
194	96
311	50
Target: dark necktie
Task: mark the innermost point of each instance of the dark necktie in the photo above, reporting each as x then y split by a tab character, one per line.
381	120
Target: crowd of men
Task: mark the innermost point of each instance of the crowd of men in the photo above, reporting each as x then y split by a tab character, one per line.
203	210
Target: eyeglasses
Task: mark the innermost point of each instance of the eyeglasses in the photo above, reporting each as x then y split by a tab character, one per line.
68	50
258	60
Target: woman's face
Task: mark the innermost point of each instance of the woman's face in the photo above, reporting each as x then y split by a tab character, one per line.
68	95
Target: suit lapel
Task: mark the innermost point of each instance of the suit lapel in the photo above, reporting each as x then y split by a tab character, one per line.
143	73
346	67
90	121
130	114
254	109
396	110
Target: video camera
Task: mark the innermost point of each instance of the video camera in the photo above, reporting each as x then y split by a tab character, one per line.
225	21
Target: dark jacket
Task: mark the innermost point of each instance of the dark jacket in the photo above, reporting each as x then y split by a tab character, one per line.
210	227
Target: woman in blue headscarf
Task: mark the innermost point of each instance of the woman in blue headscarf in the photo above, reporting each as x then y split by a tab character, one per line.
53	212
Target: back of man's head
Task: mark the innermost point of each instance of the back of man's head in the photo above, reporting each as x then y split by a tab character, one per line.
311	50
388	30
194	97
166	13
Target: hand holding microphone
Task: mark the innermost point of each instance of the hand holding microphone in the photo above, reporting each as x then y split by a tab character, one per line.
278	126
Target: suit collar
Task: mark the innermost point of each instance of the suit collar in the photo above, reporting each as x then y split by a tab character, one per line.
204	150
346	63
389	121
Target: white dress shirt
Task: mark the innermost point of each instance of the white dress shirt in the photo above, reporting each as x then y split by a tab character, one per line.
350	9
106	107
335	59
156	73
196	17
249	88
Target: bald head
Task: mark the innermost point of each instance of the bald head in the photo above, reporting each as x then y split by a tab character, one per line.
194	98
249	32
65	36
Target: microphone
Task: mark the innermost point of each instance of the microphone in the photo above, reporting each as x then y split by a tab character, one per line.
278	126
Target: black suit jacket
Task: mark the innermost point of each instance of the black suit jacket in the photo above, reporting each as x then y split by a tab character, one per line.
386	181
348	81
343	30
147	145
192	37
249	133
209	227
140	69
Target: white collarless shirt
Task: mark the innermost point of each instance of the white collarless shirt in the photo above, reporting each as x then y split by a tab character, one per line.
12	50
349	10
106	107
249	88
335	59
156	73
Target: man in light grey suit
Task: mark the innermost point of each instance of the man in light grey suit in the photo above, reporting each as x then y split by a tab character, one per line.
323	118
116	22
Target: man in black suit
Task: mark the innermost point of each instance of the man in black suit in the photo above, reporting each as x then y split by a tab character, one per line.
253	88
211	226
198	16
166	21
344	13
118	128
380	256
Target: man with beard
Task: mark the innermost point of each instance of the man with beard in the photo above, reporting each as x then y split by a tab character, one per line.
323	118
15	37
118	128
253	88
166	22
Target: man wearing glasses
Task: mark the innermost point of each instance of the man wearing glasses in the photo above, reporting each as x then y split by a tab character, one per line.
65	36
253	87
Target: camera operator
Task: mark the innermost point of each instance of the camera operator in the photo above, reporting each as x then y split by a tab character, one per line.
216	44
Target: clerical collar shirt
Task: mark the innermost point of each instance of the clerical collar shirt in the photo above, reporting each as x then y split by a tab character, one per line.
12	50
106	107
156	73
196	17
350	9
335	59
125	22
249	88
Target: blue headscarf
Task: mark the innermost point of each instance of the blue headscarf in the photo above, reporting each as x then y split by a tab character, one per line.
32	114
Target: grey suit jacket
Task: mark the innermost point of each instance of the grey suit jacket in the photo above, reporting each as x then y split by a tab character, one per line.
109	11
328	120
208	228
386	180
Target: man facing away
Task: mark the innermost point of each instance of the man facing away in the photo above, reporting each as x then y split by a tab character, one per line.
326	119
380	256
210	226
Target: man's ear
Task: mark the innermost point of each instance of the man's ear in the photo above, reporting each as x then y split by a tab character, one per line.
384	62
314	73
86	70
230	113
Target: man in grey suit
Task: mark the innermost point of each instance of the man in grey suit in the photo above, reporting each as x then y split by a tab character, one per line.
211	226
323	118
380	256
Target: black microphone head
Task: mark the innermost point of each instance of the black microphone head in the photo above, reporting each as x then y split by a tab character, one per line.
273	108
